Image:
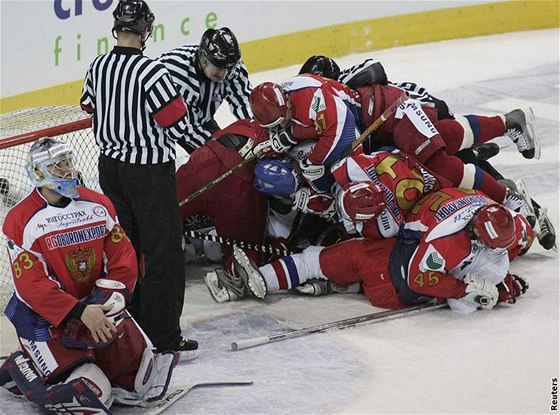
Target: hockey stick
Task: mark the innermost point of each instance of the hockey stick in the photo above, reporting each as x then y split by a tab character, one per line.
374	126
177	393
340	324
218	179
267	249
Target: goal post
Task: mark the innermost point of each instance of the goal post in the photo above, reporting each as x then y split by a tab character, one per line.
18	131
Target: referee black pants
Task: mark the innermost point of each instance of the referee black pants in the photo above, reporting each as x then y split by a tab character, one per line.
145	198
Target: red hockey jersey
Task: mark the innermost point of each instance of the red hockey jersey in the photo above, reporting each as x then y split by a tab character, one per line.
325	111
404	180
446	252
57	253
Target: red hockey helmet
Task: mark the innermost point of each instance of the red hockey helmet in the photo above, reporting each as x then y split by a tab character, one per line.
361	201
269	104
494	226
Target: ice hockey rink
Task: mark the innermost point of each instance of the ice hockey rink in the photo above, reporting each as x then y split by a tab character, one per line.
501	361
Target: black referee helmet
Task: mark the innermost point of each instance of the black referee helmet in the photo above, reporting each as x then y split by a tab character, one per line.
322	66
133	16
220	47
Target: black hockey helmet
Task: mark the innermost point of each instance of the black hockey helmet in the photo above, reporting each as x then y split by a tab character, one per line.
133	16
322	66
220	47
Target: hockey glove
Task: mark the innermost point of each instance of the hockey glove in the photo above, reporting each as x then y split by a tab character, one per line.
311	172
261	149
307	200
510	288
106	292
282	140
480	292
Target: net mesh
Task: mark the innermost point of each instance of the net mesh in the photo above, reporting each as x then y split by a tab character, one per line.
14	184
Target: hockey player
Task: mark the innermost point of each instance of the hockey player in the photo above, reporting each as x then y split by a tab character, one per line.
74	270
370	198
369	72
253	209
413	128
402	180
235	206
207	74
457	245
309	107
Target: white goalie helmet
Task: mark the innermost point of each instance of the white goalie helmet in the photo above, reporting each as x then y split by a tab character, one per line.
50	164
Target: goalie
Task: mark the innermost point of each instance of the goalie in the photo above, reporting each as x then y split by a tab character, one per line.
74	270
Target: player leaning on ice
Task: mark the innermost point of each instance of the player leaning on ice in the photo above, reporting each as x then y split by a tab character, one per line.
74	269
455	245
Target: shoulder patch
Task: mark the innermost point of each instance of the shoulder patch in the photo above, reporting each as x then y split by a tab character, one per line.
432	260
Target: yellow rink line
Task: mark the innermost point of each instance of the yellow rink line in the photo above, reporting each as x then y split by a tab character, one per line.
355	37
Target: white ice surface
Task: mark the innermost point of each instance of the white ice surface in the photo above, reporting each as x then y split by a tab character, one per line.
501	361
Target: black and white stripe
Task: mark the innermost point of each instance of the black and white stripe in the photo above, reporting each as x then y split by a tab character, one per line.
203	97
124	89
377	75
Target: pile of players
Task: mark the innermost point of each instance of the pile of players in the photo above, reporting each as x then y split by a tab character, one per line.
375	188
410	208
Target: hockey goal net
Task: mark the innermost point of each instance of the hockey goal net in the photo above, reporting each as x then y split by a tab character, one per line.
18	131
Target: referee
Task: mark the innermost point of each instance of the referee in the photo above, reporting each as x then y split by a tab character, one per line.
207	74
138	116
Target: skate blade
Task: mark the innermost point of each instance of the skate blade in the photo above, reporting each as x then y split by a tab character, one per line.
531	126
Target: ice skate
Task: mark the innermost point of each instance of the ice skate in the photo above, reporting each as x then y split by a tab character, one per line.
224	288
486	151
249	273
518	200
317	287
520	128
546	234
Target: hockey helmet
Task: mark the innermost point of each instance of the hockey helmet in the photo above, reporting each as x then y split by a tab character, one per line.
276	177
322	66
362	201
494	226
133	16
50	164
270	104
220	48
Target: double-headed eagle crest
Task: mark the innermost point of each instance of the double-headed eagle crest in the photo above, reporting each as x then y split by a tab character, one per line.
80	263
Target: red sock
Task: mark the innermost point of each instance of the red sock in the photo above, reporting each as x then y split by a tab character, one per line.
471	131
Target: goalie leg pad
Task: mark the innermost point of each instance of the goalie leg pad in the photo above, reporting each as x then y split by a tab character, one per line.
152	378
78	395
95	379
7	382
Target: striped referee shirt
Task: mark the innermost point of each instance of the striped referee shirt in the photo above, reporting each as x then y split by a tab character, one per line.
138	114
204	96
414	90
